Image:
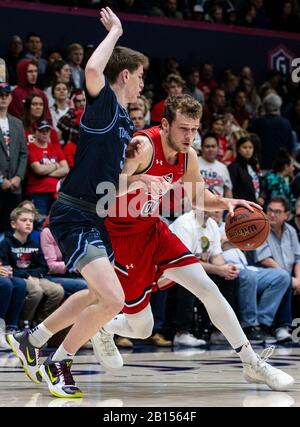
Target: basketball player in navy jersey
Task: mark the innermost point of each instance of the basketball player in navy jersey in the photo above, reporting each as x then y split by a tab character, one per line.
146	250
114	77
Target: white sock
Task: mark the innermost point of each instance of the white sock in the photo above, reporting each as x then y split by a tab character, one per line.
39	335
62	354
246	353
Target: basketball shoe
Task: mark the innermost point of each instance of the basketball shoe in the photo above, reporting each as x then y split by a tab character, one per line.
27	354
106	351
59	378
261	372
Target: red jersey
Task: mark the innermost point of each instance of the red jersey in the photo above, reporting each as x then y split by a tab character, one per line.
137	211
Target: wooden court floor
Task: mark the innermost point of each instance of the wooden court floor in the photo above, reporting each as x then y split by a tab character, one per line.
168	378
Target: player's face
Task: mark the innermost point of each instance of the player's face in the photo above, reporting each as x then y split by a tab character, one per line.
181	133
135	84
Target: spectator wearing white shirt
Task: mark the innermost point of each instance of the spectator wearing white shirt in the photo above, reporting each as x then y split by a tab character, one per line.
214	173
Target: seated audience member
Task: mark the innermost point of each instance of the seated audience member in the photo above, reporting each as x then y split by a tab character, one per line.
275	182
214	173
244	172
34	107
61	95
28	204
282	250
295	221
137	118
12	297
27	262
260	291
200	234
58	71
56	266
46	166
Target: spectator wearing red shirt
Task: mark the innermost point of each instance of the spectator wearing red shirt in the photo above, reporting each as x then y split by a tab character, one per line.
173	84
34	107
207	84
46	166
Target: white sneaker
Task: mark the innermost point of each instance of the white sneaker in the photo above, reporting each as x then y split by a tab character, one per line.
283	334
106	351
188	340
261	372
3	343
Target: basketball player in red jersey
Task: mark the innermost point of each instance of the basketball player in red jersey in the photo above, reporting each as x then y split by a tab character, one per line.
145	249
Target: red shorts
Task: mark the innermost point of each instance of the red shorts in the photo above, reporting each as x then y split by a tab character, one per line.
142	258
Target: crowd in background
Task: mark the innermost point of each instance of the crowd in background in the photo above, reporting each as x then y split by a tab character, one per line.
280	15
247	145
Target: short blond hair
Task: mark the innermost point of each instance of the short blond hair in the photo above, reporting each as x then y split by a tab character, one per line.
17	212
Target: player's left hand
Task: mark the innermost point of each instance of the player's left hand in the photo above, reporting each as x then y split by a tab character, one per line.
231	204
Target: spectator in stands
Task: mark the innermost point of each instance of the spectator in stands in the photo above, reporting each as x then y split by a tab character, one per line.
217	126
295	221
30	206
207	83
34	110
294	117
239	109
75	56
34	48
275	132
192	81
12	297
13	158
244	173
69	125
276	182
282	250
144	105
71	282
61	96
27	262
261	19
173	85
169	9
216	105
46	166
12	57
215	15
229	83
215	173
198	13
58	71
287	19
27	73
137	118
260	293
200	234
253	101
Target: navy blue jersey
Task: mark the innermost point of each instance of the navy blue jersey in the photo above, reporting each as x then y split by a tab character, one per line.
105	131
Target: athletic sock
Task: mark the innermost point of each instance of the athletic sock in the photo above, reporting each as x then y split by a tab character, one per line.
39	335
62	354
246	353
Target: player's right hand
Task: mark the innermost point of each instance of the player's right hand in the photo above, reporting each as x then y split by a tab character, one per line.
110	20
156	186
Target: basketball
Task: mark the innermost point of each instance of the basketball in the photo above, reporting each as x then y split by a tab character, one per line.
247	230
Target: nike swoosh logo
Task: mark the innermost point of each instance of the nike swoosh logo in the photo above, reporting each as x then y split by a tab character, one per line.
52	379
28	356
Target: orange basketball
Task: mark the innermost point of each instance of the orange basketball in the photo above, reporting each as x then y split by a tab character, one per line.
247	230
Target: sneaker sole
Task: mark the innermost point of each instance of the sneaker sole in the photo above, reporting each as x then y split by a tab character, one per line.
283	388
54	392
15	349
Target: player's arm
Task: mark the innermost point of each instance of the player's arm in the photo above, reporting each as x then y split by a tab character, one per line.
138	157
94	70
203	199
